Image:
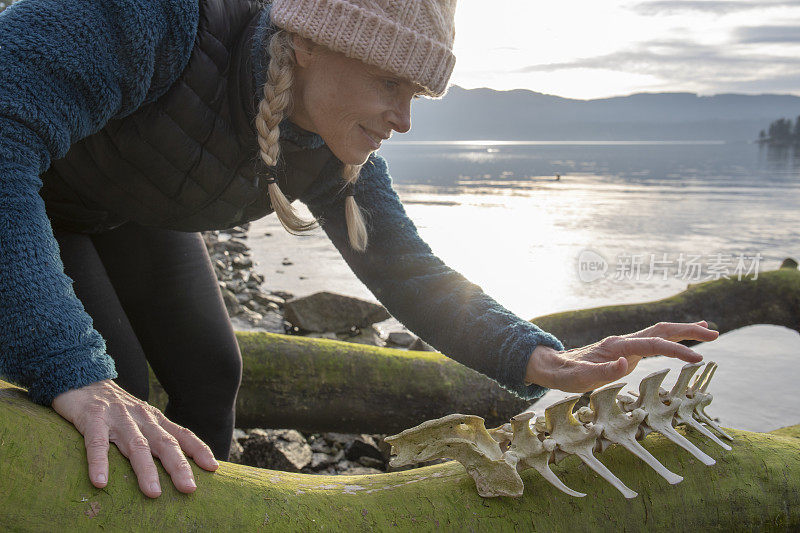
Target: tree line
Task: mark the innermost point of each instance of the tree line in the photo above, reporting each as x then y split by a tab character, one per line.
781	132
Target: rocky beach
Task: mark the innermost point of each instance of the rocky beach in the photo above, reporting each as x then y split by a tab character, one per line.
322	315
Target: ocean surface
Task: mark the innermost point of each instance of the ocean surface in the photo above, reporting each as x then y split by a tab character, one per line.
552	226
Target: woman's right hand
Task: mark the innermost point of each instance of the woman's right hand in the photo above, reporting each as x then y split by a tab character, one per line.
103	412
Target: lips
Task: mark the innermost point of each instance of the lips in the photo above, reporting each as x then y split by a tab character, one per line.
374	138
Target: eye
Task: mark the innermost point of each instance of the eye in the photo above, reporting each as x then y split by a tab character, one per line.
391	84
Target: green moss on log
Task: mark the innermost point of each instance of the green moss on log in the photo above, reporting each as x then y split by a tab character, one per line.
727	304
44	486
326	385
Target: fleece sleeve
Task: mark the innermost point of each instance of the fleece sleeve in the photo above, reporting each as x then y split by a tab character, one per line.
437	303
68	67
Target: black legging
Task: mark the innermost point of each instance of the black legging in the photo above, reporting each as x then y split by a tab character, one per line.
153	296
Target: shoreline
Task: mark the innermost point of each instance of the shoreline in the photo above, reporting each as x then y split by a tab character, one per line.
251	307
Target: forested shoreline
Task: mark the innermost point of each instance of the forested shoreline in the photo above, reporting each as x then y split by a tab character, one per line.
781	133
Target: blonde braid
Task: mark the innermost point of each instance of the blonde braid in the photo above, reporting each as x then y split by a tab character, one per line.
272	108
356	227
275	104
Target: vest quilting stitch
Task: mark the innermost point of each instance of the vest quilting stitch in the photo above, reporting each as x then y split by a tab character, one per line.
188	161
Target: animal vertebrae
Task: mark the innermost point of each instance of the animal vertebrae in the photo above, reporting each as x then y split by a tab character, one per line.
495	457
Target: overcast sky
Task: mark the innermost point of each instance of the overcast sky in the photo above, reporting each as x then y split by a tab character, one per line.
598	48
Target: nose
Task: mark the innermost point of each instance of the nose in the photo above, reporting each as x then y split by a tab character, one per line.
400	116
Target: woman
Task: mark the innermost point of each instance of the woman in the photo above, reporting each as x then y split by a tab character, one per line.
151	121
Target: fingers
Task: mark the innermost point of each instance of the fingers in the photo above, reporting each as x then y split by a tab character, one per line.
678	331
133	445
611	371
96	440
166	448
193	446
649	346
105	413
695	332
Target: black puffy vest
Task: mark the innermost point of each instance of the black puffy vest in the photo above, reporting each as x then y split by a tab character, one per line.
188	161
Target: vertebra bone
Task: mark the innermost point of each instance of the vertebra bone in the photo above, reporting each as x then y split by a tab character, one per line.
495	457
659	415
574	438
688	405
620	428
698	389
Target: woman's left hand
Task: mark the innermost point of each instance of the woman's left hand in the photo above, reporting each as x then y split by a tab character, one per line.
587	368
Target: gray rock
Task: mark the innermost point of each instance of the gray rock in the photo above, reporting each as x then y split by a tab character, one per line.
255	306
242	262
320	446
338	438
371	462
237	231
385	448
344	464
327	311
283	294
368	335
243	297
235	455
272	323
237	286
266	299
235	245
321	460
239	434
231	302
401	338
358	448
279	449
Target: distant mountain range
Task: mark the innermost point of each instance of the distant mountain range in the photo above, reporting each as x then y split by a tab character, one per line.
465	114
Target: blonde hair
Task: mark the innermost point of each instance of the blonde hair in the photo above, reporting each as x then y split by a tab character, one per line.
273	107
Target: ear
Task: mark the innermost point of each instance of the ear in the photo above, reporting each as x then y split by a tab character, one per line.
303	49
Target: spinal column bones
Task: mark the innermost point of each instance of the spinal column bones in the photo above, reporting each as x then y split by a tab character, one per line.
495	457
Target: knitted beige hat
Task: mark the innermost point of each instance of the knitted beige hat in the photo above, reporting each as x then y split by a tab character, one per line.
410	38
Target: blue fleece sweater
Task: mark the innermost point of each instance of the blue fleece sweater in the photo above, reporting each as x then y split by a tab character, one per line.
67	67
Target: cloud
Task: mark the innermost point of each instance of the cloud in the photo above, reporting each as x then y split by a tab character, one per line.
692	66
767	34
660	7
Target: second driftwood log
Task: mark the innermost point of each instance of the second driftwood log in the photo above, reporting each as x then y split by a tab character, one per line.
324	385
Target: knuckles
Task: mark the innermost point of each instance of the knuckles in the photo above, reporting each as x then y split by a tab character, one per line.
138	443
608	342
165	440
97	442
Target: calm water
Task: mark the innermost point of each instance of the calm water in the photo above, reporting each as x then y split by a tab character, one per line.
496	213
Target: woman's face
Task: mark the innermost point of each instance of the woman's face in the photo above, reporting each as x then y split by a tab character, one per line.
351	105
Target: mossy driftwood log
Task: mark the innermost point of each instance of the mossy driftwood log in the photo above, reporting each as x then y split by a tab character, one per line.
44	486
325	385
773	297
